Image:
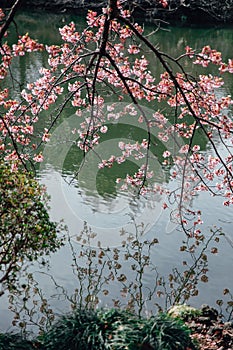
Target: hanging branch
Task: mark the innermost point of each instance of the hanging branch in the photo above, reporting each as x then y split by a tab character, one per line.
9	18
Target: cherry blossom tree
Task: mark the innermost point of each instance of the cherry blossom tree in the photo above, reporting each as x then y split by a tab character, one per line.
107	64
108	61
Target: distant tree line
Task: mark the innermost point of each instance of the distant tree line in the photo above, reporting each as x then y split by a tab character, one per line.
176	10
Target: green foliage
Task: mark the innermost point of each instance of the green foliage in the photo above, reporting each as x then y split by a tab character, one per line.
123	330
79	330
116	330
167	333
12	341
26	231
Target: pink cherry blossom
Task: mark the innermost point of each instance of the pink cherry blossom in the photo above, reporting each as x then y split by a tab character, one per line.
38	158
103	129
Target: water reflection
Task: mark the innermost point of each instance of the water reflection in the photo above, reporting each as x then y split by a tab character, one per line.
107	216
138	275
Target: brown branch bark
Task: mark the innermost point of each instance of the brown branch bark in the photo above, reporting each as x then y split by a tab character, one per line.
10	18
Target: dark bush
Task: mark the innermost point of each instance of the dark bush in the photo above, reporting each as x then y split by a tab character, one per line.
10	341
26	231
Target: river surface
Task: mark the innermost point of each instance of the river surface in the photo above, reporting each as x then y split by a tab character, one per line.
108	211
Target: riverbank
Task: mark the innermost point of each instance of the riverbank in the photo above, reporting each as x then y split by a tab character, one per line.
182	327
187	12
210	330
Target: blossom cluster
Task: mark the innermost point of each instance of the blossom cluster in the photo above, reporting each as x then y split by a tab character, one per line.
106	61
